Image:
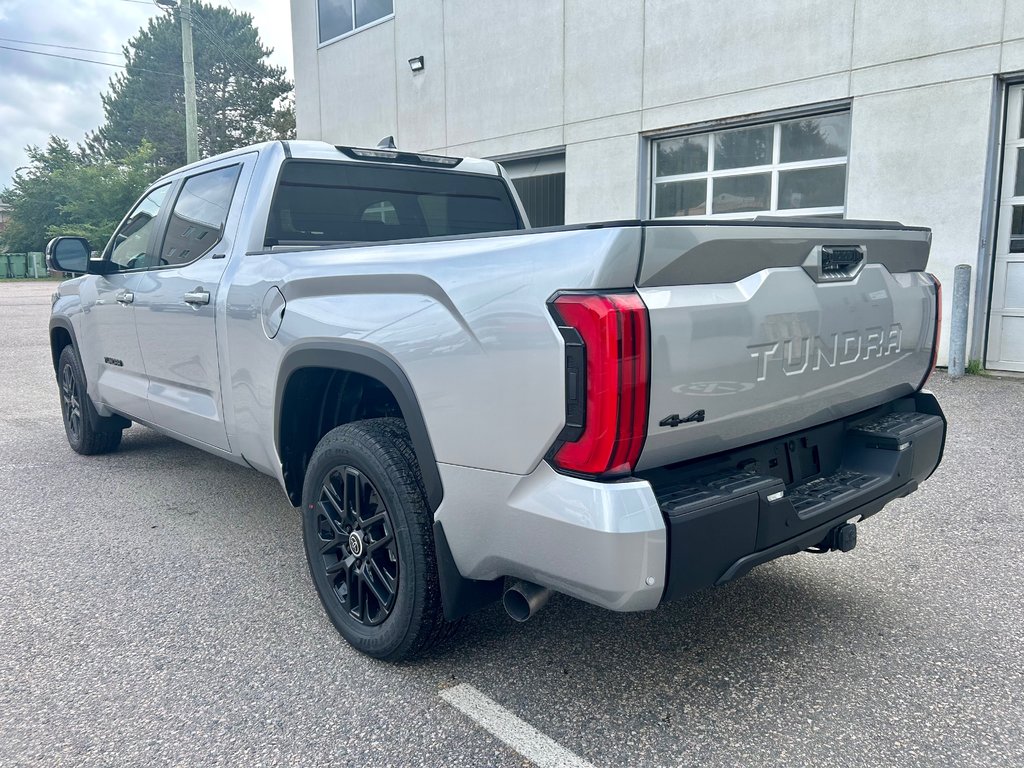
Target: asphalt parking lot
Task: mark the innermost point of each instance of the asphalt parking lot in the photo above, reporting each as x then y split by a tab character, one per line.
155	610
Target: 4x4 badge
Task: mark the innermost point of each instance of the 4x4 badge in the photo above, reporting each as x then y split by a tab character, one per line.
675	421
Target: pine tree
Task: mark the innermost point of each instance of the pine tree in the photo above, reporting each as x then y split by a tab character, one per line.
241	99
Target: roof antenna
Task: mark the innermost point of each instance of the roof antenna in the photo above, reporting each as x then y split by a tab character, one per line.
388	142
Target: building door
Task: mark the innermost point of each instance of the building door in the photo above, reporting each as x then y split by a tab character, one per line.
1006	313
540	184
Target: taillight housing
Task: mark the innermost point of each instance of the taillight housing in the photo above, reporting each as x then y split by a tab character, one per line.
607	344
938	329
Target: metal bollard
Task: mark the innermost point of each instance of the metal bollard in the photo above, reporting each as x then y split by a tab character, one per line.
958	321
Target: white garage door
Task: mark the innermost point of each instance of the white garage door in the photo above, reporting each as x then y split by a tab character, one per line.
1006	318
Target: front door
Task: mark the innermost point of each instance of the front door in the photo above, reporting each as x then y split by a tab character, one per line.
110	344
175	304
1006	313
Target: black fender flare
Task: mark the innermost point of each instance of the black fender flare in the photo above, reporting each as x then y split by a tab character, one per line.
57	321
368	361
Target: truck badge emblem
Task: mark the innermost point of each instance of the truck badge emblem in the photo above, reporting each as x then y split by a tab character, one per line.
802	354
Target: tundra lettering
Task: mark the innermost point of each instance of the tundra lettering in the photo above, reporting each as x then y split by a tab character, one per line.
842	349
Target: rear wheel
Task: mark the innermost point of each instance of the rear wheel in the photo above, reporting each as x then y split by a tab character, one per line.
88	433
369	540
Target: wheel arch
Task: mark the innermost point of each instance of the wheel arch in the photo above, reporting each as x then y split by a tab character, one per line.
62	334
362	360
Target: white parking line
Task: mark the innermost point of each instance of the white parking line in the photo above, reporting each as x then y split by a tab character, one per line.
518	734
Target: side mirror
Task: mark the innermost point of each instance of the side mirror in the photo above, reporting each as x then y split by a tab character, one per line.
68	254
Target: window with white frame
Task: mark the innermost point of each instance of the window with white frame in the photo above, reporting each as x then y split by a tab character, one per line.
791	167
337	18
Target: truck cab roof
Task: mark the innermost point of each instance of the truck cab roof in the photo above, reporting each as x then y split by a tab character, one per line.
321	150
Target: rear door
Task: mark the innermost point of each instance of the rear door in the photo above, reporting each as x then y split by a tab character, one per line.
175	302
761	330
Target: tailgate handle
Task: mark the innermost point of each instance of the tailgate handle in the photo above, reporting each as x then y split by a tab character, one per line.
835	262
840	258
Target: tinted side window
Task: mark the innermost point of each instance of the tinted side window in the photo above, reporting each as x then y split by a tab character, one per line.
129	246
319	202
198	218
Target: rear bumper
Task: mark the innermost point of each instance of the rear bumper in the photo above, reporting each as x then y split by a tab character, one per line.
604	543
630	545
790	493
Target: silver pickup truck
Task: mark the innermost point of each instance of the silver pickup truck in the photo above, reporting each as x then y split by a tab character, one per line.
469	410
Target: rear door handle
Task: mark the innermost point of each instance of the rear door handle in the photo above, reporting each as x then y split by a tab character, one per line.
125	298
197	297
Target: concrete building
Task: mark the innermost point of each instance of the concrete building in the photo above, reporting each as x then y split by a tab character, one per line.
876	109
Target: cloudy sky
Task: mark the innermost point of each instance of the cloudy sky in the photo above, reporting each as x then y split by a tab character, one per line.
43	95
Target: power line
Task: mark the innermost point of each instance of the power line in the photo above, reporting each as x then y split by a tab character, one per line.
89	61
55	45
203	26
229	57
219	42
212	36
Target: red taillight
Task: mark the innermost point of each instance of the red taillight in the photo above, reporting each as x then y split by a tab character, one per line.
613	328
938	329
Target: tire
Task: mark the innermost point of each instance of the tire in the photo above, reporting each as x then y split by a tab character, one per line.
88	433
374	565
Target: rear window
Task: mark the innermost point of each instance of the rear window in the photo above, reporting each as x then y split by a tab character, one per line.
318	202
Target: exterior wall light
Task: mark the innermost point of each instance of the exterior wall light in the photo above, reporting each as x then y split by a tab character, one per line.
416	65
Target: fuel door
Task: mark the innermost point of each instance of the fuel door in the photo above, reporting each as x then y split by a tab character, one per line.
272	311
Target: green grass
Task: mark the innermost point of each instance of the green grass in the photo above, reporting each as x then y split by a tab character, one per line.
974	368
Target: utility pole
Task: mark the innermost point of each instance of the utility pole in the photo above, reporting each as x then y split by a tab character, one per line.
188	65
191	128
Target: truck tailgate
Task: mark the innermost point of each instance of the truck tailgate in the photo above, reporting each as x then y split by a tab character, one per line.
758	330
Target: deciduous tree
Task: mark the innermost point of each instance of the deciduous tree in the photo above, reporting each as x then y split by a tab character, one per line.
65	191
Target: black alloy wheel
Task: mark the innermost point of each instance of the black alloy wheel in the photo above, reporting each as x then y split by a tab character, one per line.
71	403
358	551
88	432
369	540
